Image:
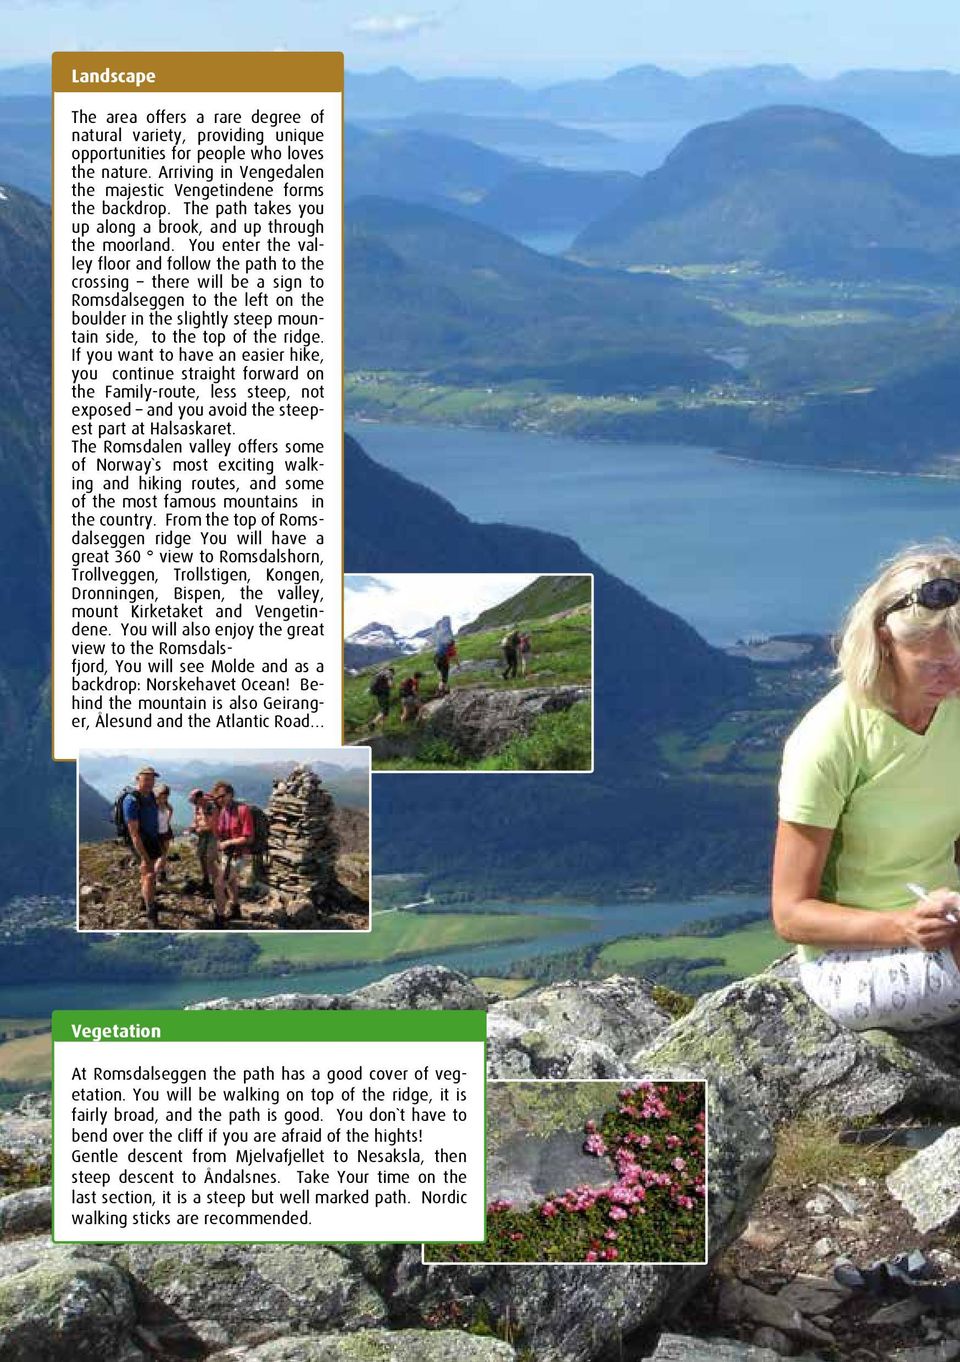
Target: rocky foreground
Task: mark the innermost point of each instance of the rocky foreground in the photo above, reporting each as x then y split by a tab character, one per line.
109	893
476	721
770	1059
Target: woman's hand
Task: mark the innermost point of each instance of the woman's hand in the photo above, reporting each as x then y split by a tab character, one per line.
925	924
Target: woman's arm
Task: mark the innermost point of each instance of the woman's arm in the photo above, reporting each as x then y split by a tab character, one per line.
800	916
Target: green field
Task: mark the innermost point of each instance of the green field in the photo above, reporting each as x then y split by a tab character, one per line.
26	1059
397	936
747	951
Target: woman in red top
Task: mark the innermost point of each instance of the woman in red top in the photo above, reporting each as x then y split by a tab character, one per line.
235	833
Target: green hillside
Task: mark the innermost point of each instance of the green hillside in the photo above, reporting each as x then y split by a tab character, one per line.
545	596
426	290
794	187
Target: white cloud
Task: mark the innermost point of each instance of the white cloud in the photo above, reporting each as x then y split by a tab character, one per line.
413	601
358	582
394	27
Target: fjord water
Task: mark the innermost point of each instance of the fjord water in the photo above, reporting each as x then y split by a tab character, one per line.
589	922
737	549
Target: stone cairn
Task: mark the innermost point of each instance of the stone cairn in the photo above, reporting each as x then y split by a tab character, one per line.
303	845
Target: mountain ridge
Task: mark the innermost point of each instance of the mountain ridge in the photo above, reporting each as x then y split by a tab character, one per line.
788	186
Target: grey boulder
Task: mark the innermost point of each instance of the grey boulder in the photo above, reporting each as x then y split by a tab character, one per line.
201	1294
766	1034
56	1306
381	1345
928	1185
573	1030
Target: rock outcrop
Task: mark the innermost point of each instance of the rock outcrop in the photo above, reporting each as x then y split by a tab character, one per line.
583	1030
480	721
477	721
928	1185
766	1035
302	846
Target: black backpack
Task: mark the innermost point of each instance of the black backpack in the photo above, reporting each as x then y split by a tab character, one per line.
380	685
119	822
261	828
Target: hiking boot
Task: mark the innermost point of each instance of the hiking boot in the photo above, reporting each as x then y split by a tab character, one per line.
235	912
153	916
206	890
219	921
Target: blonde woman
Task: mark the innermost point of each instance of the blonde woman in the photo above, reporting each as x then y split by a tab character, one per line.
865	876
165	826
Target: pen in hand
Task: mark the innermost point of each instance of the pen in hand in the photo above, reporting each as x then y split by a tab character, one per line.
919	892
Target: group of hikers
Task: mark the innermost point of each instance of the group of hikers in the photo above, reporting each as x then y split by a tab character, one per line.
515	649
226	839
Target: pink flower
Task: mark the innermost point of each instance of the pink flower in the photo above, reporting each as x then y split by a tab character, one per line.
590	1256
548	1209
610	1234
611	1253
679	1164
617	1213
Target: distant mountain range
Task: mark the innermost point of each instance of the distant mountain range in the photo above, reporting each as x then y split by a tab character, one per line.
643	91
528	133
377	642
791	188
445	171
251	780
94	814
651	93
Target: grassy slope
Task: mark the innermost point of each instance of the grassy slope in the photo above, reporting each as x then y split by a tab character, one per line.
561	648
543	597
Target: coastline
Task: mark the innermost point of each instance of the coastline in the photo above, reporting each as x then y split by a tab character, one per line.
401	419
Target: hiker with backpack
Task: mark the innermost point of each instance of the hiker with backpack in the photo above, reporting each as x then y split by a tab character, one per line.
441	660
526	648
236	835
510	647
410	703
380	689
136	819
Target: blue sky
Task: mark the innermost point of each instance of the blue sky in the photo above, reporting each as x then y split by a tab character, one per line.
526	40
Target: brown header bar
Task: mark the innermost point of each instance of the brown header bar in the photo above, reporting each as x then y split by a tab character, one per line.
123	73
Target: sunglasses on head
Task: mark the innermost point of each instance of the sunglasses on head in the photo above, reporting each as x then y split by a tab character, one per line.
937	594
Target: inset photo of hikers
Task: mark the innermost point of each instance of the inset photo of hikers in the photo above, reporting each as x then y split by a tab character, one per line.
470	671
211	840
